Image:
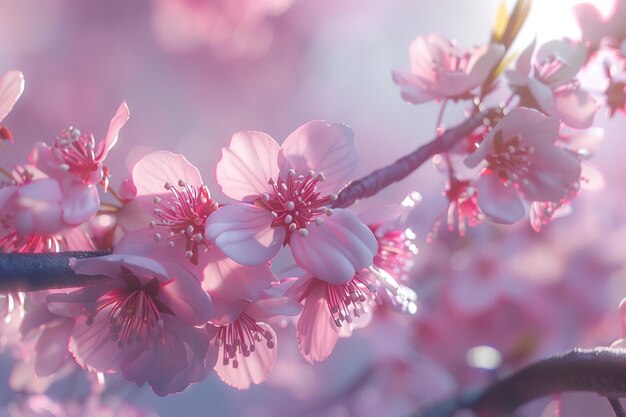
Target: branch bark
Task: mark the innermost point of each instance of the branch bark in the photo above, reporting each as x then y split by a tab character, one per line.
398	170
600	370
42	271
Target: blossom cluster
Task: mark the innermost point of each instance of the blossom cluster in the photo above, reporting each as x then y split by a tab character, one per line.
188	284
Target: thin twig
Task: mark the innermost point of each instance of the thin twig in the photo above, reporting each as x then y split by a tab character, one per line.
381	178
600	370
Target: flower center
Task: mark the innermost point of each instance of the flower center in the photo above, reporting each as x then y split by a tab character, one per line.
510	160
76	151
395	250
348	301
184	216
547	72
34	243
135	313
240	338
296	202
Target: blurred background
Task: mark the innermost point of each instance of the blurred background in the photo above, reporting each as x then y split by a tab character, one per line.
193	72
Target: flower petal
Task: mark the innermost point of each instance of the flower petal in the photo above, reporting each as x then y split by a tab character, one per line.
324	148
317	332
576	108
80	203
247	164
336	250
253	369
500	204
153	171
11	89
117	122
244	233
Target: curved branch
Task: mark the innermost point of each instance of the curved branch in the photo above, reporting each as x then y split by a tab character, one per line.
600	370
33	272
42	271
381	178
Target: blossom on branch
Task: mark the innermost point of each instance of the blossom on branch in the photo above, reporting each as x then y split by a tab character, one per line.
522	164
285	192
442	70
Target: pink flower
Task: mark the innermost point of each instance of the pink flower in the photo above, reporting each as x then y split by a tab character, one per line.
596	29
442	70
522	163
171	190
549	84
140	321
74	162
286	192
329	310
246	347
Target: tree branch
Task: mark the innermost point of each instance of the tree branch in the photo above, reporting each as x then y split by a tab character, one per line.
33	272
600	370
42	271
381	178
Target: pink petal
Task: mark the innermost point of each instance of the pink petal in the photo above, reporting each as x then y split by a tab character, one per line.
247	165
117	122
576	108
224	278
334	251
92	345
542	94
243	233
51	347
72	304
184	296
317	332
522	65
80	203
253	369
324	148
499	203
153	171
412	88
480	64
174	363
534	128
39	207
572	55
11	89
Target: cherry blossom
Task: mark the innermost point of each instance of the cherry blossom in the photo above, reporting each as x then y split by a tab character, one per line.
285	192
247	345
146	311
549	84
522	164
330	309
442	70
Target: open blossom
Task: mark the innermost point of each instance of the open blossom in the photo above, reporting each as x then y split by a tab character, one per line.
67	197
247	345
522	163
171	190
441	70
285	192
141	320
597	29
550	85
331	310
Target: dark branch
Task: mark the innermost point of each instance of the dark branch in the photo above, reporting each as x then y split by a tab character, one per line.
617	407
42	271
381	178
600	370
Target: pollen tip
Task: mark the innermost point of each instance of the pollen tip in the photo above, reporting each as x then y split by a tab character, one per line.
303	232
